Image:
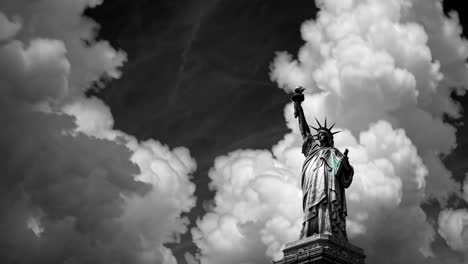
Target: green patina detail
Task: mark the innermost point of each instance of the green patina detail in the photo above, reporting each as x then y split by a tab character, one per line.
336	164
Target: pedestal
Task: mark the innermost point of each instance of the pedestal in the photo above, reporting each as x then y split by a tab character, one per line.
321	249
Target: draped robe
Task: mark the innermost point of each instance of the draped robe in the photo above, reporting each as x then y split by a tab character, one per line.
325	175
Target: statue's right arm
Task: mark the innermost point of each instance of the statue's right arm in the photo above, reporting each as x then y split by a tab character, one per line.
303	126
298	98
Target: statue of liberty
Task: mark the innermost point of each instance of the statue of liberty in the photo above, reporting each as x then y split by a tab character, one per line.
325	175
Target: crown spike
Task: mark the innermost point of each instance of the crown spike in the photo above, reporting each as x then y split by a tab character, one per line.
336	132
316	129
332	126
325	122
317	122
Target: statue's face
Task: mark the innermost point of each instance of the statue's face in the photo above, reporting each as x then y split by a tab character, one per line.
325	140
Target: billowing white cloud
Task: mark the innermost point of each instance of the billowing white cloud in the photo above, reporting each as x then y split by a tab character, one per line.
255	212
378	69
75	190
36	72
62	20
155	217
453	227
389	184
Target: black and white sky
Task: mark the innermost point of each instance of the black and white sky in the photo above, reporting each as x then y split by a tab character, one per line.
161	131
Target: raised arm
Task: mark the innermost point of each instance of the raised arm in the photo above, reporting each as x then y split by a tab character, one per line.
298	98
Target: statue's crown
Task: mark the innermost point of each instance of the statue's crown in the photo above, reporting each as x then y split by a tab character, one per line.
324	128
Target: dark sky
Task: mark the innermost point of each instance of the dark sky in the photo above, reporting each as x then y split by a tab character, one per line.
197	76
457	162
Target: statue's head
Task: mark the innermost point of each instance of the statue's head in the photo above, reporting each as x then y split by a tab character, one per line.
324	134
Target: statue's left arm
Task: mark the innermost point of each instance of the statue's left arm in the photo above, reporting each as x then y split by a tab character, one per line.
346	171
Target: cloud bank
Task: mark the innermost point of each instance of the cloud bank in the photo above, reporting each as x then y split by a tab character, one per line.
74	190
383	71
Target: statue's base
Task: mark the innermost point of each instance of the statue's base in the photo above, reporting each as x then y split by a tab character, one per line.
321	249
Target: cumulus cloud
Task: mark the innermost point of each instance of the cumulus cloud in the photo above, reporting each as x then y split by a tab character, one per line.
255	212
155	217
75	190
258	194
377	68
453	226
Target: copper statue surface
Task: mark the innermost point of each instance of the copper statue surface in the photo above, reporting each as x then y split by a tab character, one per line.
326	173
